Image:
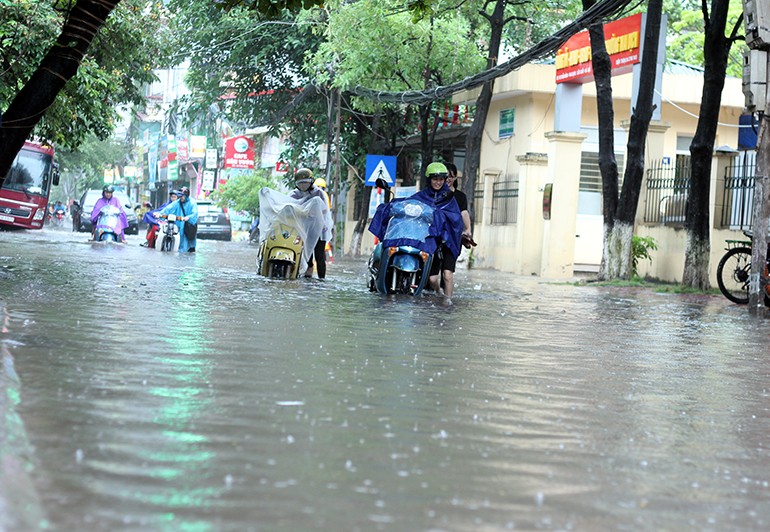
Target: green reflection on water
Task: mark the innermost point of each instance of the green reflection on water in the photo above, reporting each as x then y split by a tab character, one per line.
187	398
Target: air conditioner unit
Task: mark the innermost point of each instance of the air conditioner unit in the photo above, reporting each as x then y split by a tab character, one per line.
756	20
755	80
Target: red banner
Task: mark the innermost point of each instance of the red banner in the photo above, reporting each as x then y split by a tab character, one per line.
622	38
239	153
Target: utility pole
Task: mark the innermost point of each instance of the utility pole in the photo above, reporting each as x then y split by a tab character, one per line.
756	17
337	176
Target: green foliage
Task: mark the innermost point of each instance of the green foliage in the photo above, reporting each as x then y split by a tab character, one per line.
83	168
686	34
119	62
640	250
399	54
241	193
271	9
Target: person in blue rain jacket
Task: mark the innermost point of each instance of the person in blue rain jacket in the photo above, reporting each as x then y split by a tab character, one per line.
186	210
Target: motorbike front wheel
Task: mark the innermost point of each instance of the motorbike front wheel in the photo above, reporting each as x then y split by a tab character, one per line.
278	270
167	244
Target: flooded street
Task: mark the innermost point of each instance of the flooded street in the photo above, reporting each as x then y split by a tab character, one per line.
151	391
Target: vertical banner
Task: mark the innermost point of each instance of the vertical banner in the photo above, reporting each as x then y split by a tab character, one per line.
198	147
173	163
211	159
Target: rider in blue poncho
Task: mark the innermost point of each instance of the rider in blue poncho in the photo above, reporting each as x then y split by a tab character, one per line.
186	210
446	228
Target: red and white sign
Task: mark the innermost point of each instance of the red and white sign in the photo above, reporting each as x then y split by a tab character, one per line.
239	153
622	38
281	167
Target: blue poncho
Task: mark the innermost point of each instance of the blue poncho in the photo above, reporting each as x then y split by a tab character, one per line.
420	221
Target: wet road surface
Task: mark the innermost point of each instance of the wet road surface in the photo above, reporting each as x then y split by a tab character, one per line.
148	391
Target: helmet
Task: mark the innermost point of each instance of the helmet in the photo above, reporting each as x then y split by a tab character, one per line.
436	169
185	191
108	188
303	174
175	192
320	182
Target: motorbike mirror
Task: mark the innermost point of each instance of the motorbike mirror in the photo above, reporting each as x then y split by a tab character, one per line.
381	183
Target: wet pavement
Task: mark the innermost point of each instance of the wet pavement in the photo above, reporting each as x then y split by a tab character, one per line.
152	391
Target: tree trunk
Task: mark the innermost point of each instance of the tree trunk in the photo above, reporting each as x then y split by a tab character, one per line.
716	48
476	131
58	66
625	213
608	166
619	257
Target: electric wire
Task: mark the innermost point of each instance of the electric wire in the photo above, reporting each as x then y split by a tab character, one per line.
602	10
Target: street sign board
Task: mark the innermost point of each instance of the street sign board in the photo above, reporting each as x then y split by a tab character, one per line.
380	167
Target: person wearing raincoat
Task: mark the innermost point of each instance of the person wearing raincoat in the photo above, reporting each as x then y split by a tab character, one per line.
446	229
108	199
186	211
303	179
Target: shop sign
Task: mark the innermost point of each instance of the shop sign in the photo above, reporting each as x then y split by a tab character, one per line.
239	153
622	38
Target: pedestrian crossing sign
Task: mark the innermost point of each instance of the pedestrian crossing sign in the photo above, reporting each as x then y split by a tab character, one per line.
380	167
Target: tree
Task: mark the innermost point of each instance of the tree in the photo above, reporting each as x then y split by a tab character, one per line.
403	52
498	20
83	168
620	212
241	193
34	94
716	50
56	68
686	35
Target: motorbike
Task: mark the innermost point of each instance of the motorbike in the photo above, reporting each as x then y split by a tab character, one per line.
107	225
169	230
280	253
58	217
395	266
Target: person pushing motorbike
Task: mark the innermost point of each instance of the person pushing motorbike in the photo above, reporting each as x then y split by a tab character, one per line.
152	222
186	211
445	258
303	179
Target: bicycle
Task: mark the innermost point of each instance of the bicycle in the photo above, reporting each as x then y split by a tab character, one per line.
734	271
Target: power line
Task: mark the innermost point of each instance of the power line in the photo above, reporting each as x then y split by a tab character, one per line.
601	10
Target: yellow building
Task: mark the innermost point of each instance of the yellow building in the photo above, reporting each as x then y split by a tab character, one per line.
524	157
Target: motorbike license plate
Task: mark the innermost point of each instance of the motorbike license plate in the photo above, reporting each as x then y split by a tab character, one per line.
5	218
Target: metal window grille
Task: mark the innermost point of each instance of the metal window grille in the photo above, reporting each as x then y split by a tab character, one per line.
505	201
591	175
478	202
666	194
738	201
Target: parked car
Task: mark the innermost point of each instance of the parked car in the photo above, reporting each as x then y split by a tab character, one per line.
213	221
81	212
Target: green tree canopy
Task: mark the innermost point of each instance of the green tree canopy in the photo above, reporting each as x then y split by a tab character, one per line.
118	64
241	193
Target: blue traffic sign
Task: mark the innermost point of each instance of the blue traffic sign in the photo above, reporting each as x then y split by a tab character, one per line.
380	167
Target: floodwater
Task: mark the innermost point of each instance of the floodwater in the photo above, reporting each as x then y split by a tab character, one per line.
148	391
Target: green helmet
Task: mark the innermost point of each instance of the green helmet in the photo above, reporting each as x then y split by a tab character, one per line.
436	169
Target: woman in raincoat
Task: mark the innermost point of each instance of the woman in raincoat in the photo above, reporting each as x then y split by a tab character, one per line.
186	210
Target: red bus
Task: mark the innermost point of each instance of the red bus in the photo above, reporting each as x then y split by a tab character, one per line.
24	194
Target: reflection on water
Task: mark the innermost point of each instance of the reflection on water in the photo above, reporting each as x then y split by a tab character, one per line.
169	392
